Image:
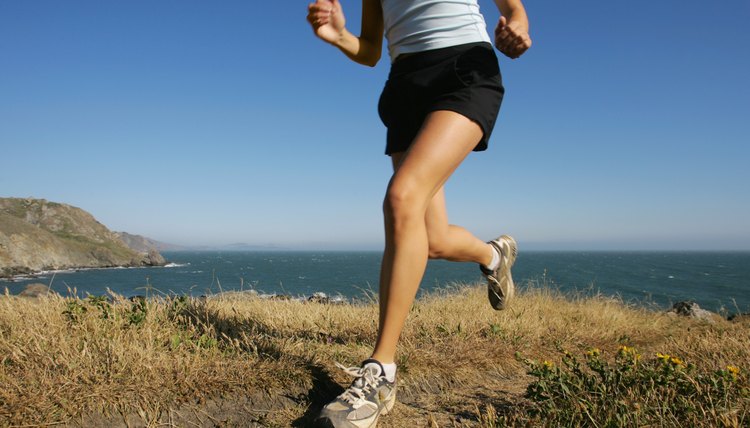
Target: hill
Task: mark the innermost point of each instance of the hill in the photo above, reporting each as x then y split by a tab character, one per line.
36	235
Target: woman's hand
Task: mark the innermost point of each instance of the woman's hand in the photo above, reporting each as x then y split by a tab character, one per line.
512	39
327	19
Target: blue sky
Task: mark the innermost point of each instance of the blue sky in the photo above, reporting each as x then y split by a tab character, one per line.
207	123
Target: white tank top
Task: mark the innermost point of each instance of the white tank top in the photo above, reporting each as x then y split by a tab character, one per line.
420	25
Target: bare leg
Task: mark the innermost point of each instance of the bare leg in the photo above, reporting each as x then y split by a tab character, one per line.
444	141
451	242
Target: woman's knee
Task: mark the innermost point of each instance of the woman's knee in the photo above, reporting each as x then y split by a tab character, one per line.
403	202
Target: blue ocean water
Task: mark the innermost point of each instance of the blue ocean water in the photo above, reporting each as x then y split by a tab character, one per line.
716	280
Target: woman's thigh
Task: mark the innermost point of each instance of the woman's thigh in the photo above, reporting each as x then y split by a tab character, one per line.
443	142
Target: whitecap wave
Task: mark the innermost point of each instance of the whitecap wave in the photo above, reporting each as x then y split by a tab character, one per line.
172	265
47	272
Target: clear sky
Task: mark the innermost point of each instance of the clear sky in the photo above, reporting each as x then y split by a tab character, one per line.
626	126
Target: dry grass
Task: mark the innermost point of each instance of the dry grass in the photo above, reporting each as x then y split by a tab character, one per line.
237	360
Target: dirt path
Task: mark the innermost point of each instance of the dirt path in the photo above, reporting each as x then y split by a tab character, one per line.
427	404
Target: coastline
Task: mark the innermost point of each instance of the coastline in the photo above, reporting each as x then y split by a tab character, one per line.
42	273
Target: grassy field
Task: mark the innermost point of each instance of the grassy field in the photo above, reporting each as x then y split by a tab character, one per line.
236	360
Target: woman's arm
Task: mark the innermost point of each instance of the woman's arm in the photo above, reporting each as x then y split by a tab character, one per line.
512	31
329	24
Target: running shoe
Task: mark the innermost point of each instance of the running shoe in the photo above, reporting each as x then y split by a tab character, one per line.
500	287
369	396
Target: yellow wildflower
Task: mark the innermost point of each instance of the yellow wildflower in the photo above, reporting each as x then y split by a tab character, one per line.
593	352
629	352
663	357
548	364
676	361
733	370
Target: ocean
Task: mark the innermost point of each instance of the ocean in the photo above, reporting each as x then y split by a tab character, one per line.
718	281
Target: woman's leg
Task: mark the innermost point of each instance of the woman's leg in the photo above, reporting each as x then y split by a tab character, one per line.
444	141
451	242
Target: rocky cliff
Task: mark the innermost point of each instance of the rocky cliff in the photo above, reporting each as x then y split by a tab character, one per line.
39	235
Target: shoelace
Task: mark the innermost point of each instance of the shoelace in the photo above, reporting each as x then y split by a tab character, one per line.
365	380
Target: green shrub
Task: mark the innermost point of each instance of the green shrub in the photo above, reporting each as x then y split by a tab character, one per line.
635	391
138	311
101	303
74	310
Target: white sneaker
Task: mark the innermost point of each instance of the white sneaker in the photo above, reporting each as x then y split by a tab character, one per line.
368	397
500	287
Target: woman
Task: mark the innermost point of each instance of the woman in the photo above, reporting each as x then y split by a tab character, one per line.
440	103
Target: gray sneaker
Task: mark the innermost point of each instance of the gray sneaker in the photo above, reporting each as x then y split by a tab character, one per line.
500	287
368	397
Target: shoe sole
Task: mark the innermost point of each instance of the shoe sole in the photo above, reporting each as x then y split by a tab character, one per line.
363	423
389	403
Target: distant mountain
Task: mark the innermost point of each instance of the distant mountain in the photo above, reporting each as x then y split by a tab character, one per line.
242	246
144	245
36	235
